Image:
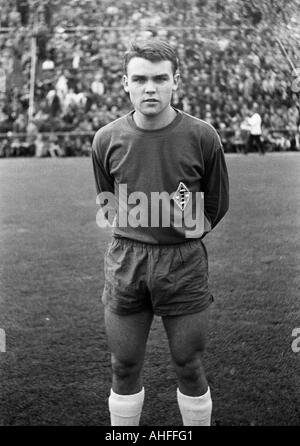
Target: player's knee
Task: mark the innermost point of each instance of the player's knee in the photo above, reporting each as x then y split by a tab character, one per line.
125	369
188	369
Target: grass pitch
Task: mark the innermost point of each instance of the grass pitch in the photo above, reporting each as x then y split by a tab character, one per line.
56	368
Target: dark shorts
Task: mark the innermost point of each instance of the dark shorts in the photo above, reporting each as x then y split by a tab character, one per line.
166	279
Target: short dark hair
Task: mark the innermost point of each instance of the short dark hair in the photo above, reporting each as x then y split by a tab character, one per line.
154	50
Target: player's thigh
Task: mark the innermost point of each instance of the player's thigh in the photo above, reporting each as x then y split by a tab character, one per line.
187	335
127	335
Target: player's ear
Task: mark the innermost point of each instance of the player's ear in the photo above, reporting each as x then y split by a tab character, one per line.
125	83
176	79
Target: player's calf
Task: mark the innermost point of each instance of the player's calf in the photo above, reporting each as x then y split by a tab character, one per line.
191	376
126	376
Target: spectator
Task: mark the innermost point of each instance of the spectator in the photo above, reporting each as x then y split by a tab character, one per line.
4	148
39	146
23	9
254	139
53	147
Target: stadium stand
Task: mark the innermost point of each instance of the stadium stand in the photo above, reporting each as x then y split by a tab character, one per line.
228	51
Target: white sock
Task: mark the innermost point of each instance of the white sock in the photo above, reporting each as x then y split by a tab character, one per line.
195	410
125	410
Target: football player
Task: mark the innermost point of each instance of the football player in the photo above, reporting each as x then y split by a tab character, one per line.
156	264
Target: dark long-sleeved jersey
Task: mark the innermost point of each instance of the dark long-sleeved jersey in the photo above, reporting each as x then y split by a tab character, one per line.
162	178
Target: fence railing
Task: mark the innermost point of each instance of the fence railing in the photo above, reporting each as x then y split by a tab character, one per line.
13	135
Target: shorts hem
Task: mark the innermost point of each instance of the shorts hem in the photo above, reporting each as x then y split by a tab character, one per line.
161	313
188	310
127	312
122	310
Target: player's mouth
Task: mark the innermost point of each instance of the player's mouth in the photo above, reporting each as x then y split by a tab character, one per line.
151	101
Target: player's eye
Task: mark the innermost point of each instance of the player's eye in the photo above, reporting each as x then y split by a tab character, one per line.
139	80
161	79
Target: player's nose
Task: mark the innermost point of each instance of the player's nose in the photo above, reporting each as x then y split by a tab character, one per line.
150	87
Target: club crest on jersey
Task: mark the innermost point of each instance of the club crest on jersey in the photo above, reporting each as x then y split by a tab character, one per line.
182	196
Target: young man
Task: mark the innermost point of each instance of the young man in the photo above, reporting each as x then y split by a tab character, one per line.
156	262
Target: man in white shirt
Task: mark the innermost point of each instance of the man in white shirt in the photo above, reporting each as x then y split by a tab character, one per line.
254	139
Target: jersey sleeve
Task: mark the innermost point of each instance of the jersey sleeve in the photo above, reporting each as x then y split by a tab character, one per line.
104	181
216	185
104	184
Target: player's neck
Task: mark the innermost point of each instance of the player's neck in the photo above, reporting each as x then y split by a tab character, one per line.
154	122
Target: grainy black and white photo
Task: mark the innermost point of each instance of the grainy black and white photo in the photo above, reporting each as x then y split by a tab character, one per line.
149	215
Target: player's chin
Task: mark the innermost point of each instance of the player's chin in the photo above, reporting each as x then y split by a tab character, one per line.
150	112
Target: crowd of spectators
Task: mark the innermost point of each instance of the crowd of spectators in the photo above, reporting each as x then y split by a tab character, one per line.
229	60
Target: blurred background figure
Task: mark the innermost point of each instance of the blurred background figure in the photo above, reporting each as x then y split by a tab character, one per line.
39	146
53	147
254	139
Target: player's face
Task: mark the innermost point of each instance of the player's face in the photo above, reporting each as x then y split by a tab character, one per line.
150	85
